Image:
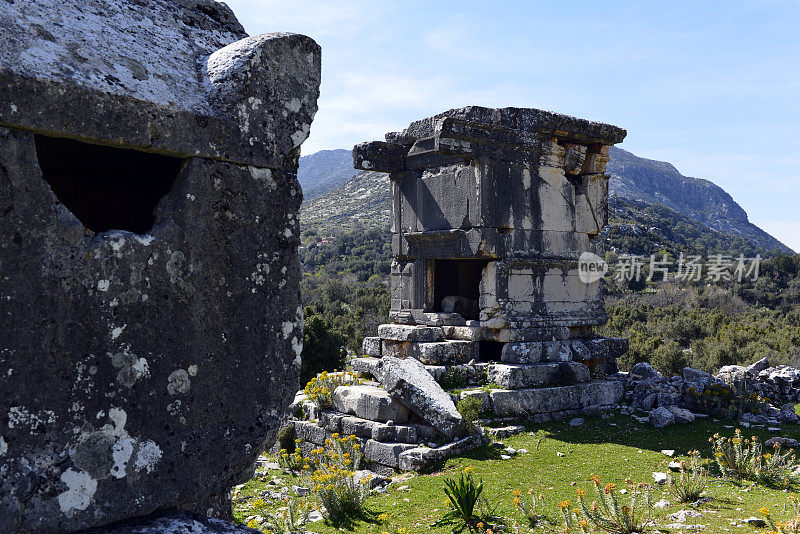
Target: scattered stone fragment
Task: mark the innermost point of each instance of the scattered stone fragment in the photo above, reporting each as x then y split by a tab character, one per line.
682	515
659	478
786	443
315	516
663	503
755	521
661	417
668	452
300	491
577	421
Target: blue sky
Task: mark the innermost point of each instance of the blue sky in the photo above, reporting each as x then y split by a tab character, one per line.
712	87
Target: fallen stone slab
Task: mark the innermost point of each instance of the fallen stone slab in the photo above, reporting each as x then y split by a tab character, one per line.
504	431
519	376
409	381
369	402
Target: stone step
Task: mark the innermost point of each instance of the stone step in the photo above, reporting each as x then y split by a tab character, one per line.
383	456
466	333
432	353
520	376
400	332
364	428
369	402
539	401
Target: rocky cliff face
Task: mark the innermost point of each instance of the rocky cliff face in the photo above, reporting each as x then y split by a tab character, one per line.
652	181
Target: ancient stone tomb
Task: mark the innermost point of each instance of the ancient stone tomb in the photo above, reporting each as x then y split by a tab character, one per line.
151	329
491	211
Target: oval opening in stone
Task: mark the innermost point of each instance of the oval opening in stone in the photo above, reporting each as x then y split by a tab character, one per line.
106	188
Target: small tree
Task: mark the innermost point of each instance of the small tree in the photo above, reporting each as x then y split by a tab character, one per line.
323	347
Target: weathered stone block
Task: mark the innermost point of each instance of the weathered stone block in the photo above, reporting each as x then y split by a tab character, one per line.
310	431
371	346
443	352
386	453
459	375
531	352
369	402
396	332
524	402
518	376
466	333
364	366
148	237
418	458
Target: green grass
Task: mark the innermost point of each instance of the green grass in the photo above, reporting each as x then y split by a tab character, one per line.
613	449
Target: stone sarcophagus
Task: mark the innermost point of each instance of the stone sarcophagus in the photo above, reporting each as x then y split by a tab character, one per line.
150	328
491	212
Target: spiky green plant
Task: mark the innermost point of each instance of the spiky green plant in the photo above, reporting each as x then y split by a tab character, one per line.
607	514
463	495
691	480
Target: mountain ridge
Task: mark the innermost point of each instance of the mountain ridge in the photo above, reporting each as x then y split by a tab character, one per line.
336	196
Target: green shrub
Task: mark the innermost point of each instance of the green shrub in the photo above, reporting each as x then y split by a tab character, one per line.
469	407
669	358
740	458
330	470
691	481
286	438
323	346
